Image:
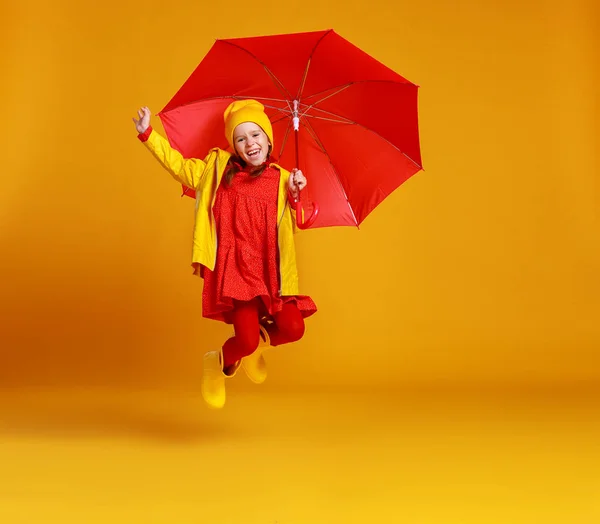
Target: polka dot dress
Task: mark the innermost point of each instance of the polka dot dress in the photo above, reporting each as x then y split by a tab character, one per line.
247	263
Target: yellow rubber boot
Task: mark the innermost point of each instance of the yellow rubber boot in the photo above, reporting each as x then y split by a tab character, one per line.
254	365
213	379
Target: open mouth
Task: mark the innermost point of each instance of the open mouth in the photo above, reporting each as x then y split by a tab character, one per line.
253	153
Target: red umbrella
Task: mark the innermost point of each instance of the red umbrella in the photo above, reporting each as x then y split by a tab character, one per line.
346	120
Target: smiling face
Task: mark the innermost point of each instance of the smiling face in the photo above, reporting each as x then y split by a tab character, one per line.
251	143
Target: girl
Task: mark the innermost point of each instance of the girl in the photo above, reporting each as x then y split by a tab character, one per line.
243	242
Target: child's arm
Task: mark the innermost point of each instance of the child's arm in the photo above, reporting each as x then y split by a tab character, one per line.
186	171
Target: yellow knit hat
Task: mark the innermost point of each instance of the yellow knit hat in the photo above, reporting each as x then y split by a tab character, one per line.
242	111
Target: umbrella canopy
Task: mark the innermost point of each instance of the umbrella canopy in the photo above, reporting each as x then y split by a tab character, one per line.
347	121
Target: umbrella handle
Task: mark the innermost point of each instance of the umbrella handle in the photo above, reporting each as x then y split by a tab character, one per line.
300	222
297	202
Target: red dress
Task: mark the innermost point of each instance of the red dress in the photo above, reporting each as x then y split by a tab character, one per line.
247	264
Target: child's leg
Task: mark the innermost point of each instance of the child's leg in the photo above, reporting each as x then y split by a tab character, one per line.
288	326
246	339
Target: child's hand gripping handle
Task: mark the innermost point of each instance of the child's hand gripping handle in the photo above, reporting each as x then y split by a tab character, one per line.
297	184
298	180
300	222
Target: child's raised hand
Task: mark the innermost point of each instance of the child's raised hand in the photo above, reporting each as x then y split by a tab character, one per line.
144	122
296	182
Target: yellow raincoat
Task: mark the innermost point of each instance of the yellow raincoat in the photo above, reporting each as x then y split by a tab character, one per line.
204	176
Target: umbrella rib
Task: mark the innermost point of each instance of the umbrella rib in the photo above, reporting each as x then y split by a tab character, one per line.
342	88
348	121
301	87
277	120
335	120
405	82
285	138
278	84
331	113
317	140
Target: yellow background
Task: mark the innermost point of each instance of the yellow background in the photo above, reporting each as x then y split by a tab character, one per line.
478	274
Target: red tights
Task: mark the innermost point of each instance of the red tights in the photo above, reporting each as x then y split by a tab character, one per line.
288	327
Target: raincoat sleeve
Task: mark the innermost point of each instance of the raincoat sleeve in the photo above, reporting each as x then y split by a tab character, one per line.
187	171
